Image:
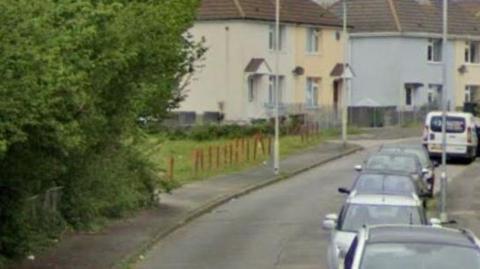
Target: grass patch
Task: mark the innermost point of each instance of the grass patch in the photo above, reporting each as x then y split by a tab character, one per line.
158	148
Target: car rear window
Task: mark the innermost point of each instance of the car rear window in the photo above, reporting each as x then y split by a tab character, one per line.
454	124
384	184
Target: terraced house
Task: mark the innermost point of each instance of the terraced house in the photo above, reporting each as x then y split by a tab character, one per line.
237	77
396	51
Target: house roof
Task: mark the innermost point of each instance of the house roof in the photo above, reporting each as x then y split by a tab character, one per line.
472	6
292	11
411	16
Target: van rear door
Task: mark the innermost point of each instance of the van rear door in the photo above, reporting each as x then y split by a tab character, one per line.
457	134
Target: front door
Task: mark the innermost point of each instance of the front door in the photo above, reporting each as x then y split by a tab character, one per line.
337	87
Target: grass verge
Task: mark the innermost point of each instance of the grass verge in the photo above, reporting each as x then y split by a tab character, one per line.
221	156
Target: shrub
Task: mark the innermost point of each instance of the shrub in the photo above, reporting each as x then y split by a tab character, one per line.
109	185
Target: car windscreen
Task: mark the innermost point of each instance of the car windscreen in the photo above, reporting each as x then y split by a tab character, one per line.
420	153
454	124
357	215
392	163
419	256
393	184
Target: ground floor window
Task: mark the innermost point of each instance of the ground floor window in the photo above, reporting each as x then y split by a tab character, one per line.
409	95
434	94
471	93
311	92
251	88
272	89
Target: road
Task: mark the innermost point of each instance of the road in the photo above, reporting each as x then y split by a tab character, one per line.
276	227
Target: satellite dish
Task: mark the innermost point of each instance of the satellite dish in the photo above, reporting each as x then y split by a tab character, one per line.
298	71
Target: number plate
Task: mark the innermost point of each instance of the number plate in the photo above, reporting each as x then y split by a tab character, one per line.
435	147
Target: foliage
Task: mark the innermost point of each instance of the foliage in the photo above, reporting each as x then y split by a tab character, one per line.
76	75
210	132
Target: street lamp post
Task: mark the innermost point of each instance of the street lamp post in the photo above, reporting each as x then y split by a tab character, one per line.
344	76
276	155
443	202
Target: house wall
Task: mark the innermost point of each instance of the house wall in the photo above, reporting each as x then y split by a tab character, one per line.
231	45
317	65
470	77
383	65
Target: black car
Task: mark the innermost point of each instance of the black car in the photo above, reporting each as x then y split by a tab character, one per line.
423	157
387	183
397	163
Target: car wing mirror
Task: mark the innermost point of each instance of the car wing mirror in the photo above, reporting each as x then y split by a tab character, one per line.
358	168
344	190
329	225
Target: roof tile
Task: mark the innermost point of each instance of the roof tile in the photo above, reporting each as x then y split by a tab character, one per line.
292	11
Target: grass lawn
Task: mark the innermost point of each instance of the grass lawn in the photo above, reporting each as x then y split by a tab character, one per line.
232	155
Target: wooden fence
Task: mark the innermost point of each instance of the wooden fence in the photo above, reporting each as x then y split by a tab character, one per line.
237	152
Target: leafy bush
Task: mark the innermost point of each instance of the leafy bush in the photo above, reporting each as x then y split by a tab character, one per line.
213	132
108	185
75	76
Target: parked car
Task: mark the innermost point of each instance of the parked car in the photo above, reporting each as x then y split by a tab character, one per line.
423	157
387	183
413	247
462	140
368	209
397	163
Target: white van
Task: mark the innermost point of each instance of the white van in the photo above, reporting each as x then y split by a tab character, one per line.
462	140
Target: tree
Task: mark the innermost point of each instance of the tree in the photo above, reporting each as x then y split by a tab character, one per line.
75	76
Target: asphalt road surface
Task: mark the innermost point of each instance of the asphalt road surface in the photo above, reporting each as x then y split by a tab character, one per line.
276	227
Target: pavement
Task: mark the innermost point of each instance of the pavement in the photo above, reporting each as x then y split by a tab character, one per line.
463	204
125	241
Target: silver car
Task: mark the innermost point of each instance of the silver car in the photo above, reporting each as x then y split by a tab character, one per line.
413	247
368	209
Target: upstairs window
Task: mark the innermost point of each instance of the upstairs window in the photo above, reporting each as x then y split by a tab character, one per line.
313	40
472	52
434	52
272	37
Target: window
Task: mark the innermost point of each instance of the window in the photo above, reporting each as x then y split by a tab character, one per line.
434	94
470	93
434	50
431	96
337	36
272	37
271	89
313	40
251	88
311	93
472	52
351	254
409	92
454	124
